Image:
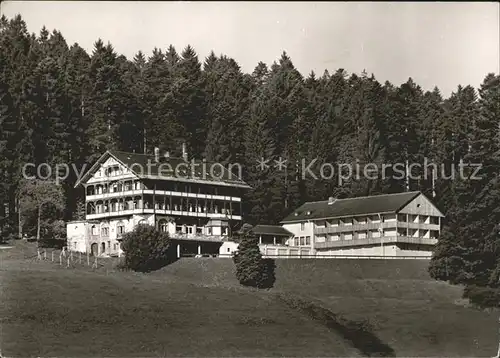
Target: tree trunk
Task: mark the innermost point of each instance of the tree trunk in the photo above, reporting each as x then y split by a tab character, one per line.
38	223
19	218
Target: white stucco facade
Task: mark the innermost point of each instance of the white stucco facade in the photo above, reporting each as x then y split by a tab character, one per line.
122	191
411	230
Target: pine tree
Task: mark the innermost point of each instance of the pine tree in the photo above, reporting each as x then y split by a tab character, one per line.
364	130
159	127
227	101
250	267
112	109
260	147
190	99
8	141
471	236
18	59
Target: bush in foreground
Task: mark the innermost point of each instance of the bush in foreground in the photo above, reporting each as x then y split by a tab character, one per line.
145	249
483	296
251	269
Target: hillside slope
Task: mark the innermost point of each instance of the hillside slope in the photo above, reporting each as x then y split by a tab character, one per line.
195	307
404	307
48	310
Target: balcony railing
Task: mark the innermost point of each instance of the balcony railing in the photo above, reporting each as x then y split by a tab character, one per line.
135	192
163	212
199	237
374	226
376	241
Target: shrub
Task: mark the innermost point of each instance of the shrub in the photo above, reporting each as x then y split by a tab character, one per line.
145	249
251	269
482	296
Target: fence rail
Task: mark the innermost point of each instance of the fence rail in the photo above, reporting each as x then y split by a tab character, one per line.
370	257
70	259
308	256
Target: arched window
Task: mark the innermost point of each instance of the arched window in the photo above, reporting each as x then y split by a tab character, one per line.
143	222
94	230
163	225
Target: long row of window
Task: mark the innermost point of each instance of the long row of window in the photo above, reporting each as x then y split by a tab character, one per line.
117	187
163	226
116	206
402	218
368	234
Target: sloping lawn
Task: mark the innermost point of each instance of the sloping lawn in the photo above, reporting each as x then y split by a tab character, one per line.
195	307
49	310
405	308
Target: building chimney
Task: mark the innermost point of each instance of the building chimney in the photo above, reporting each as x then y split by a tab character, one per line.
184	152
331	200
157	154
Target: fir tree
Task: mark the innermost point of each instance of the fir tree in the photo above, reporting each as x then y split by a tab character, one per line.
250	267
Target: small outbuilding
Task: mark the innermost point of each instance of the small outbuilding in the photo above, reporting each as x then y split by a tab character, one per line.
272	234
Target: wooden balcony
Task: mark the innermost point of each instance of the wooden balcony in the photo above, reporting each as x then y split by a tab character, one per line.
199	237
119	213
178	194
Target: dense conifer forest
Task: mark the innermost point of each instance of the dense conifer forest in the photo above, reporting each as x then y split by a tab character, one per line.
60	104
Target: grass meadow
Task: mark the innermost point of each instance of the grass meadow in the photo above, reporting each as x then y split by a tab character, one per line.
195	307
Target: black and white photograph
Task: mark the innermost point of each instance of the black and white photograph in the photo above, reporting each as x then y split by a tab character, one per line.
249	179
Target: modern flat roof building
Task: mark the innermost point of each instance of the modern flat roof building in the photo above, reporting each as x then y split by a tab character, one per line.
402	224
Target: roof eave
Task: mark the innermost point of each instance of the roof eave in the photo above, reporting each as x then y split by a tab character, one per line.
84	177
337	217
187	180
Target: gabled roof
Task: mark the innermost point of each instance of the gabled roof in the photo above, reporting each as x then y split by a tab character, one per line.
366	205
271	230
144	166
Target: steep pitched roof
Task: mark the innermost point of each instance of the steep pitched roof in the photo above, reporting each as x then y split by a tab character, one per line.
145	166
386	203
271	230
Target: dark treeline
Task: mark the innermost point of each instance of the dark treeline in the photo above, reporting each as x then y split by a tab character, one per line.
60	104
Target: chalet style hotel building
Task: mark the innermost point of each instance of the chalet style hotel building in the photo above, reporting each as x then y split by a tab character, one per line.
392	225
196	204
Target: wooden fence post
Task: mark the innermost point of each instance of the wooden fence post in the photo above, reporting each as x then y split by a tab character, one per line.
45	254
67	264
38	256
498	353
80	257
60	258
88	259
52	256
